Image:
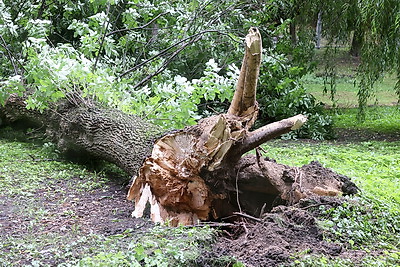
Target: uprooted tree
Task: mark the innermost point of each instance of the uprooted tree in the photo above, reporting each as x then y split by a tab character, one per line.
198	173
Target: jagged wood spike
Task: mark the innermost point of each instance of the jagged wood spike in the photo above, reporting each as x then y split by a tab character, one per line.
244	100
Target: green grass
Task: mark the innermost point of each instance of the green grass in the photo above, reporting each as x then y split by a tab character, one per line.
162	246
25	166
346	89
379	119
346	93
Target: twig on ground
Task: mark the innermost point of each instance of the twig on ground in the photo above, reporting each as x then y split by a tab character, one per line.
36	159
244	215
245	229
315	205
215	224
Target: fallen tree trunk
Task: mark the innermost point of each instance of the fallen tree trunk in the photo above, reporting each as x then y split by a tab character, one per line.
196	173
81	129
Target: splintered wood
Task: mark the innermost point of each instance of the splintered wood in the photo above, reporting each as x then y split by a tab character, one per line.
199	172
244	103
170	179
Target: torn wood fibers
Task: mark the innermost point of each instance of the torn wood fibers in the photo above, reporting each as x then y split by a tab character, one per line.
198	173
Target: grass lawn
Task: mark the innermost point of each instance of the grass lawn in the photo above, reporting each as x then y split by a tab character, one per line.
346	94
346	88
378	119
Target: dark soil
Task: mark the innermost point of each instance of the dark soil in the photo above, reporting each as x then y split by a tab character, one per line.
353	135
103	211
277	237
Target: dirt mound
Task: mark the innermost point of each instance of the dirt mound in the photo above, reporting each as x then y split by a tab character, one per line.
320	175
277	236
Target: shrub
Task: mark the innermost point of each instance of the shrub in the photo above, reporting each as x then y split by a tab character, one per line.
281	94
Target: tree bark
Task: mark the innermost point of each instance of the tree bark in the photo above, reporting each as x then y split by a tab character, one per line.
356	43
318	31
197	173
293	33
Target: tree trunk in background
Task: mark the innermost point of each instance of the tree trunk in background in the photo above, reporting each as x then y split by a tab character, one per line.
199	172
318	31
356	43
292	32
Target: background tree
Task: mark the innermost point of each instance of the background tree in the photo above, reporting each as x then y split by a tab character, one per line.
372	29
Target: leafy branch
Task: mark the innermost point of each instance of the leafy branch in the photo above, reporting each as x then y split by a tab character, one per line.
11	56
184	43
105	26
137	28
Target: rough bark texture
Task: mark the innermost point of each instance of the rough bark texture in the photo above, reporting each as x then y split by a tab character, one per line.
84	129
318	31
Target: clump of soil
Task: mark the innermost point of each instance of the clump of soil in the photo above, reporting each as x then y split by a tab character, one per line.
273	239
315	171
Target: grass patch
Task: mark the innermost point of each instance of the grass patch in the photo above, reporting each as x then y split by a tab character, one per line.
346	91
28	167
346	88
161	246
380	119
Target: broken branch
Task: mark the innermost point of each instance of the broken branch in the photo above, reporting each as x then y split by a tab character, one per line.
270	131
